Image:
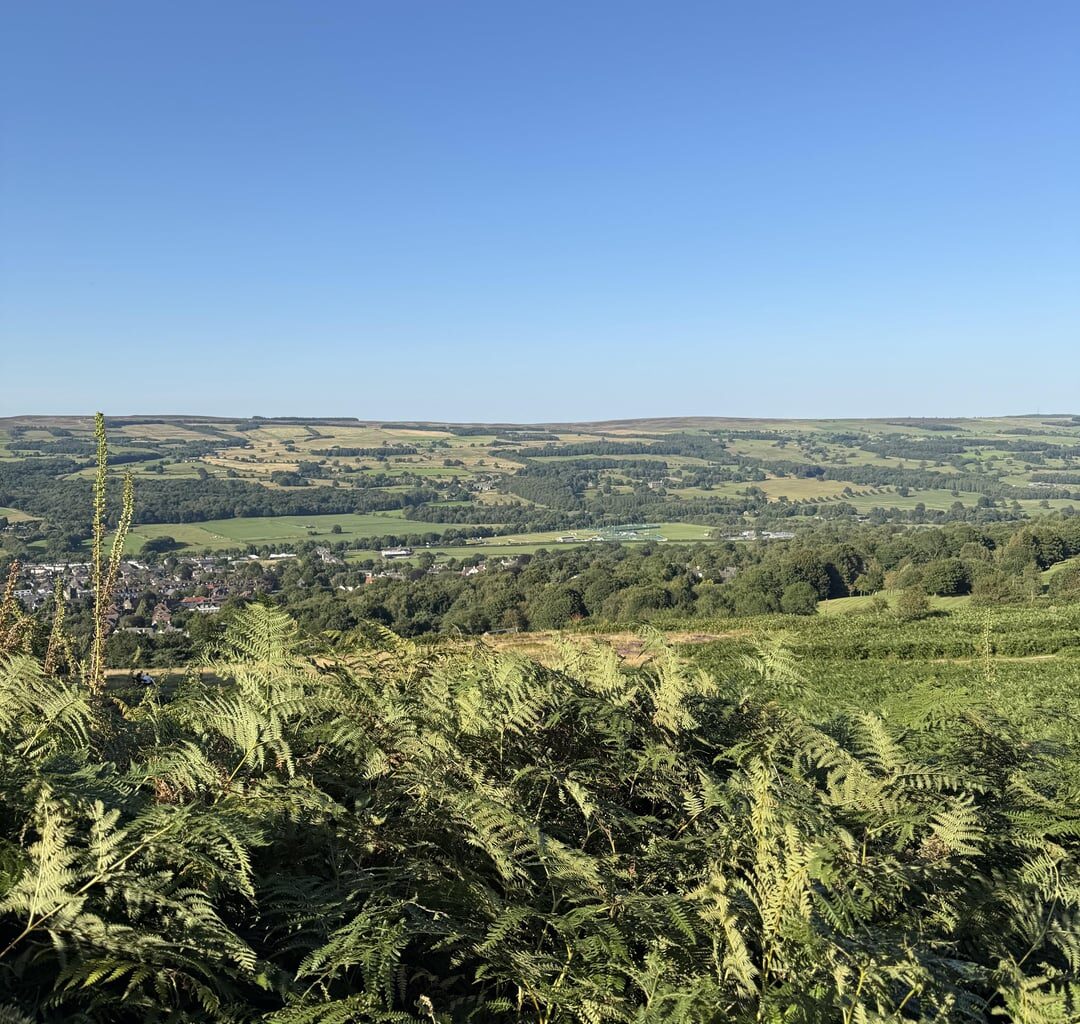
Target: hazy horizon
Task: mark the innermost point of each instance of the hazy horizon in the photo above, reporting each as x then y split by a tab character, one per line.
882	417
558	212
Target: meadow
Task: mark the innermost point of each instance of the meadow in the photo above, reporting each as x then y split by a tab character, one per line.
219	534
13	515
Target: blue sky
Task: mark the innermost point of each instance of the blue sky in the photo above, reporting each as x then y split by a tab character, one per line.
528	211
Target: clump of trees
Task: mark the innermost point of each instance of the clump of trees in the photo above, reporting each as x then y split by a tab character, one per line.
671	584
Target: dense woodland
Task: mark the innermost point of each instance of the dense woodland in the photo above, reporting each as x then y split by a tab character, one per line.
622	584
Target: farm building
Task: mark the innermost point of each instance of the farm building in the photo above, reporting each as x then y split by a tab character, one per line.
396	552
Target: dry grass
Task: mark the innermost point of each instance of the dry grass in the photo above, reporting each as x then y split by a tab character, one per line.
629	646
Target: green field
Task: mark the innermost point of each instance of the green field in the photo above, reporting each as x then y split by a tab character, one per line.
230	533
653	532
530	543
846	605
13	515
1049	574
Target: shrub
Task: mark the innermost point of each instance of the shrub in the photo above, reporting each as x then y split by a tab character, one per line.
799	599
912	604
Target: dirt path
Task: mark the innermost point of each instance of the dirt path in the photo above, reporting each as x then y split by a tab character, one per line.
996	658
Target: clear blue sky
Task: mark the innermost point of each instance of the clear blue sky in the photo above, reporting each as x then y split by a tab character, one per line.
543	210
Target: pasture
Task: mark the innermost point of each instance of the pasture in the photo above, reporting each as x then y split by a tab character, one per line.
14	515
218	534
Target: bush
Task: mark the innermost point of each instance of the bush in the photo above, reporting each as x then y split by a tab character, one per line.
869	582
799	599
912	604
805	567
159	545
993	587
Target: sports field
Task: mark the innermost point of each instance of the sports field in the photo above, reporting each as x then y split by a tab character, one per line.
529	543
